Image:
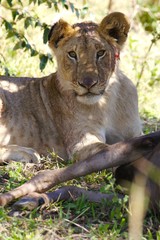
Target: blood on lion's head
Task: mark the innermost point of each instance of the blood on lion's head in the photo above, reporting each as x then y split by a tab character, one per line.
87	54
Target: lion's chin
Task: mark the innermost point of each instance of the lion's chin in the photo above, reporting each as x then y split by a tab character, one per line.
89	99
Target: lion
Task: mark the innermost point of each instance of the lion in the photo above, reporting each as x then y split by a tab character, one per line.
87	103
87	111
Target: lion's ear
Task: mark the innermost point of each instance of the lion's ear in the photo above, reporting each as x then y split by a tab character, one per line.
59	32
115	26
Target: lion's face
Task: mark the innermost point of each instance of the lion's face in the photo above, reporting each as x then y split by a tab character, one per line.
87	63
86	59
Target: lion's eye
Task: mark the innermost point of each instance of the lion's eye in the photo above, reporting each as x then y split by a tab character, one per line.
72	55
100	54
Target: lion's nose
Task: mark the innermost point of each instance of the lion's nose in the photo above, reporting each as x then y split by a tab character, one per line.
87	82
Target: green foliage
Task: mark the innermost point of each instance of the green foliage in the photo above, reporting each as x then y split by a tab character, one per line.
149	17
15	14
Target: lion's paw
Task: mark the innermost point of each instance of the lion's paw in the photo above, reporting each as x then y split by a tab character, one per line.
18	154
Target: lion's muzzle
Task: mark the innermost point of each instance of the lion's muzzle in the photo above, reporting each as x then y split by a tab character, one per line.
88	82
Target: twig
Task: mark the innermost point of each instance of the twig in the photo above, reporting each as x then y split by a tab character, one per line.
144	62
81	214
76	224
110	5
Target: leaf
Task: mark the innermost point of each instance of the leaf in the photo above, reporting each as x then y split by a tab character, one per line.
77	12
65	6
10	34
38	23
63	1
43	61
40	2
21	16
27	22
56	7
14	14
49	4
71	6
33	52
7	72
19	45
34	1
9	2
20	2
27	46
45	35
8	25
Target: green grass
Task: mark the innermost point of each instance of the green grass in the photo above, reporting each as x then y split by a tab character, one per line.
78	219
81	219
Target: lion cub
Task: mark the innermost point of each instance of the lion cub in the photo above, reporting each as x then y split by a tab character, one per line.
76	111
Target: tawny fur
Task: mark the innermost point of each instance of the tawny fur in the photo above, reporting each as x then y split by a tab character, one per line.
57	112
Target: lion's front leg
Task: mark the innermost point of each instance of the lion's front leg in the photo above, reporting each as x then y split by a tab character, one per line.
19	154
